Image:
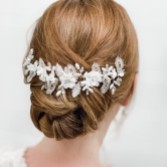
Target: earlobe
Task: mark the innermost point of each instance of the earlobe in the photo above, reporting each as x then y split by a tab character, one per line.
128	99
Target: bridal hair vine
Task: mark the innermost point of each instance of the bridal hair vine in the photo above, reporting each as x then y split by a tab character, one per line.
68	77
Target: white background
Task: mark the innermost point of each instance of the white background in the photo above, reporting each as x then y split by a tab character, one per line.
142	140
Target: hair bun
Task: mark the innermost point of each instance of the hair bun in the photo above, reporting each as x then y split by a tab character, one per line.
67	123
70	125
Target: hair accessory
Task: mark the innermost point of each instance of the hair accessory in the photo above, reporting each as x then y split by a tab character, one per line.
57	77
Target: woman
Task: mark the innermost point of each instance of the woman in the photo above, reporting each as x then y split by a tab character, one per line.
81	65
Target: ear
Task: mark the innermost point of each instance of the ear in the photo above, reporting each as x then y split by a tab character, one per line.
128	99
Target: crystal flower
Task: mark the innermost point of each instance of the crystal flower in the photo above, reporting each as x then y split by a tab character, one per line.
113	88
119	63
76	90
106	84
51	82
78	67
117	81
41	70
119	67
31	70
28	59
109	71
68	77
92	78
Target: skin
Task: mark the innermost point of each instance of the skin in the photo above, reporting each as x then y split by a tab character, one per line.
79	152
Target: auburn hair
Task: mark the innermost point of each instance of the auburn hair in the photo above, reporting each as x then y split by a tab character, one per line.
83	32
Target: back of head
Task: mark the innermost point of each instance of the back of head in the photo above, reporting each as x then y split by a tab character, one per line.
82	31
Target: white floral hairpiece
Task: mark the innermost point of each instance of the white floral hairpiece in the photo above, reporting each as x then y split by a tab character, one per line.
68	77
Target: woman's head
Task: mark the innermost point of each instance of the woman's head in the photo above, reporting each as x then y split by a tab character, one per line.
83	32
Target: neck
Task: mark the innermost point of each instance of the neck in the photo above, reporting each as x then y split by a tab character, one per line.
82	150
